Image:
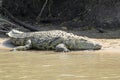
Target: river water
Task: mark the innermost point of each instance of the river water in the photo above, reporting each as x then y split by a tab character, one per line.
48	65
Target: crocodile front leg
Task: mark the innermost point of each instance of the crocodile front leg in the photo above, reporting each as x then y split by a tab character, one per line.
61	48
23	48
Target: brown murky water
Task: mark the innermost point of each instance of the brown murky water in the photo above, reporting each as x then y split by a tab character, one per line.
35	65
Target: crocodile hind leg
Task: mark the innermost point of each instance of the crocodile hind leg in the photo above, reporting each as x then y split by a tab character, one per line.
23	48
61	48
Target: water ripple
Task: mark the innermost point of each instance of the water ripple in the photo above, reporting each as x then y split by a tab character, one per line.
71	75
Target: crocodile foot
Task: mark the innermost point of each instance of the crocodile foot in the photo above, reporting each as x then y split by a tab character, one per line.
23	48
61	48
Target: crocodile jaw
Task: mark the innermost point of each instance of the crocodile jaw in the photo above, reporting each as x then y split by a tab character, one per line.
13	32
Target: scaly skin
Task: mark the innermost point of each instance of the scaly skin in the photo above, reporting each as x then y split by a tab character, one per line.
47	40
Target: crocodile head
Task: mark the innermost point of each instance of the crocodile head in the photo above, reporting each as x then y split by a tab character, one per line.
13	32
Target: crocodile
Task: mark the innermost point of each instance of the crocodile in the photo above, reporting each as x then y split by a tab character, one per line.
57	40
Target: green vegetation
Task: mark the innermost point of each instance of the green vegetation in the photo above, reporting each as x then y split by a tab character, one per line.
74	13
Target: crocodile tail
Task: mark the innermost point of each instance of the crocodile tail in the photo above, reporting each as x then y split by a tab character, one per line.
13	32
